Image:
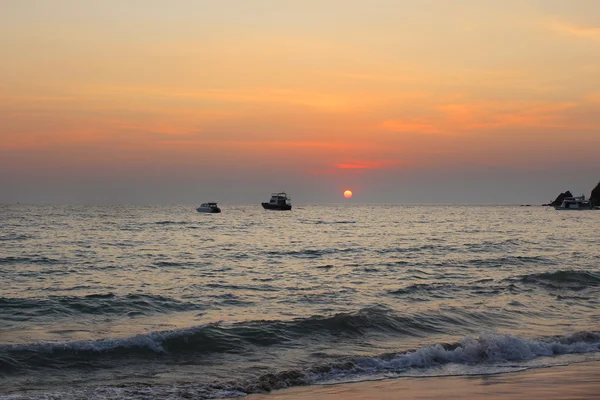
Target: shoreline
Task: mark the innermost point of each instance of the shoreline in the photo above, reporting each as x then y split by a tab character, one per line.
579	381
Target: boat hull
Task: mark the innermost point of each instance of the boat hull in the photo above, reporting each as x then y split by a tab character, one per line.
575	209
208	210
277	207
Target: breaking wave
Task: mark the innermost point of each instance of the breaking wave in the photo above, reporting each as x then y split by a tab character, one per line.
489	351
239	338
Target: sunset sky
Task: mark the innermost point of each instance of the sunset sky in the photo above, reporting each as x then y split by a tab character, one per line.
186	101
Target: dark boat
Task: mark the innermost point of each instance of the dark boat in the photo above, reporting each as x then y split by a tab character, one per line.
279	201
209	208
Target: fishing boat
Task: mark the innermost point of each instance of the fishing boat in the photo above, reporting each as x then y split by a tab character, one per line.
575	203
279	201
209	208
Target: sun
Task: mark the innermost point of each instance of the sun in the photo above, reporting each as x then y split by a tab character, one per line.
348	194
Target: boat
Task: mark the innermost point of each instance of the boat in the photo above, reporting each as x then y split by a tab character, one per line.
575	203
278	201
209	208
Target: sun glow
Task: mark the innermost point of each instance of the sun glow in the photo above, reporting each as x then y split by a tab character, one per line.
348	194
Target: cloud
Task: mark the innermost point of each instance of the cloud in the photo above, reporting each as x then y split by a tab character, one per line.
324	101
356	167
324	172
487	114
594	98
378	164
481	116
414	126
576	30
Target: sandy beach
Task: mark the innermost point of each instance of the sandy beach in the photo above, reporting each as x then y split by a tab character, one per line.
573	382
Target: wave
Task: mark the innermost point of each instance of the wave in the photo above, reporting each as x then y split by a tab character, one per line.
446	290
572	280
486	354
15	237
95	304
311	253
489	347
425	287
487	246
173	223
326	266
29	260
239	338
563	279
512	261
424	248
321	222
428	291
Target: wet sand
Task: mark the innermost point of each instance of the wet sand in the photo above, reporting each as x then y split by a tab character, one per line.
573	382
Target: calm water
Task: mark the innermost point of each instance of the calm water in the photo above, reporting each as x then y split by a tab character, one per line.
160	301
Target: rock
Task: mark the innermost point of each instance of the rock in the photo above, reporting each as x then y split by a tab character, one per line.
595	196
559	199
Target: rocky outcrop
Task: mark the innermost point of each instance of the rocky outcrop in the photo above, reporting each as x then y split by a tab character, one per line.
559	199
595	196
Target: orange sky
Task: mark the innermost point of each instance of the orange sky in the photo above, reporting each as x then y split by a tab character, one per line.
241	97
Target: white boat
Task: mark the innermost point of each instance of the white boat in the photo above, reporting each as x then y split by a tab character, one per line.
209	208
575	203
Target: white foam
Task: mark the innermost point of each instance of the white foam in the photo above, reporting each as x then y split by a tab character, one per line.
487	348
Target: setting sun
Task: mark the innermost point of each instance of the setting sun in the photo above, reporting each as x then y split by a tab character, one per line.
348	194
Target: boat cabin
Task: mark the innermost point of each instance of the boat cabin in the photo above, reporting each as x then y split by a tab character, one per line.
279	198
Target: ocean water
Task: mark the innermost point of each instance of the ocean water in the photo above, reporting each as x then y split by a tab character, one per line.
138	302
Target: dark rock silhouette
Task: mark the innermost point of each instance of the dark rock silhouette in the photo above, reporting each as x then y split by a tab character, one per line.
595	196
559	199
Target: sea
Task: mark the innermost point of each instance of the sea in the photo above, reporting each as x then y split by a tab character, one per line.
163	302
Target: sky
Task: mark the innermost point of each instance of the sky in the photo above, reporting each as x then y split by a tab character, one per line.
188	101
